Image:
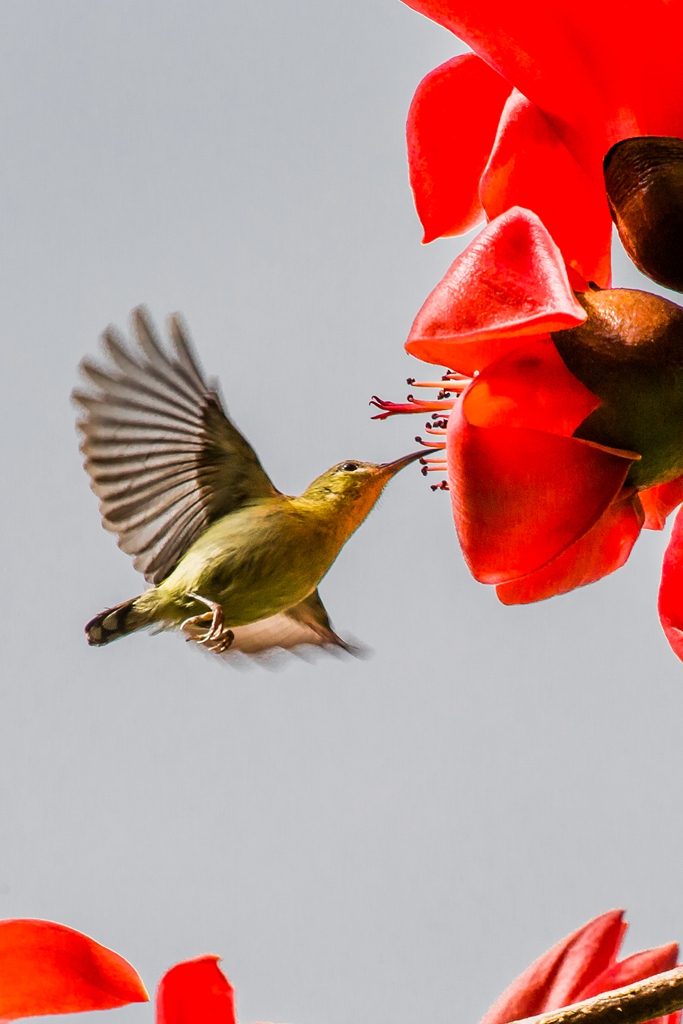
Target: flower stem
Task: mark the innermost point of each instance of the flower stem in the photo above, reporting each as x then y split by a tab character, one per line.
655	997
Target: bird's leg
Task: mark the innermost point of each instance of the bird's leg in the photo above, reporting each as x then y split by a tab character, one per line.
217	637
217	620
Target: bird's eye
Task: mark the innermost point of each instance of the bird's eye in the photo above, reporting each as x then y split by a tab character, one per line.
349	467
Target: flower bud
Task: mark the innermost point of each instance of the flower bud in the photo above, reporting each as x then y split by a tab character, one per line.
644	182
629	352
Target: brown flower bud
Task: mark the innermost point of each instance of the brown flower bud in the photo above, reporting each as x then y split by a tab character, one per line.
629	352
644	182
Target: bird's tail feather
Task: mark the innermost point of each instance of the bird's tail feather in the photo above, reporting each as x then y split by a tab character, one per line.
114	622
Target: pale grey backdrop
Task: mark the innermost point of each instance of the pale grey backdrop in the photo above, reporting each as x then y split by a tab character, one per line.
380	841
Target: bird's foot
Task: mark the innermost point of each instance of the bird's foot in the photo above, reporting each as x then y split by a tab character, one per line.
217	637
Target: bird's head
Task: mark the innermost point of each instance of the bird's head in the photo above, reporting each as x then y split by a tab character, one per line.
355	486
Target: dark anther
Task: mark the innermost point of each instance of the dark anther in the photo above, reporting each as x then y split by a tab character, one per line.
424	470
418	439
410	381
444	394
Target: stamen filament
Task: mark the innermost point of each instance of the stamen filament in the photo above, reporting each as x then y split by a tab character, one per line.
430	444
413	405
451	384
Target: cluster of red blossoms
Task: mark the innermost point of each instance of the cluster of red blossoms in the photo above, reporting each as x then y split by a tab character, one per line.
46	968
568	435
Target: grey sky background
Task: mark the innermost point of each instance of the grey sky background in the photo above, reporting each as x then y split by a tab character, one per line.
383	841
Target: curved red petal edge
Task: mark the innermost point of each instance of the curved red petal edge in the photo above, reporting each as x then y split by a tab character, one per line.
523	490
671	589
601	551
451	126
566	968
584	73
634	968
530	387
47	968
595	78
531	167
520	497
509	283
660	501
195	992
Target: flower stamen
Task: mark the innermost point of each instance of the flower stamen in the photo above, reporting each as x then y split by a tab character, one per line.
430	444
451	386
411	405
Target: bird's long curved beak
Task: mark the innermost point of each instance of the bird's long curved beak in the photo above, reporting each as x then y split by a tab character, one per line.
393	467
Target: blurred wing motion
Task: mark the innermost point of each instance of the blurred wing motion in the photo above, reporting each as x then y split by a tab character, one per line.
305	623
163	457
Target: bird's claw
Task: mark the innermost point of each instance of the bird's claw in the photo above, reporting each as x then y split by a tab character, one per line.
217	637
223	642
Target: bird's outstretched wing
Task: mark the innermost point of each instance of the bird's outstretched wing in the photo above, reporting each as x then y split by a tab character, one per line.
306	623
163	456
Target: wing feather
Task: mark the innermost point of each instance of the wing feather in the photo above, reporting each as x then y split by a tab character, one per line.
163	457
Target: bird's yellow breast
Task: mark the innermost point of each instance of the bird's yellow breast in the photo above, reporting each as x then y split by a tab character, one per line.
255	562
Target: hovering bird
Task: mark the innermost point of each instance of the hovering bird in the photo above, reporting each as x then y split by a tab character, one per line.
234	563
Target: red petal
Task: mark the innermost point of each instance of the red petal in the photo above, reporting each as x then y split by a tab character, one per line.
530	387
633	968
565	969
660	501
662	79
520	497
529	166
47	968
451	126
671	589
510	282
599	552
521	492
585	69
195	992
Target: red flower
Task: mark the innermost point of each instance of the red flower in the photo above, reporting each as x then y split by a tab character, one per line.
195	992
582	965
47	968
569	438
528	117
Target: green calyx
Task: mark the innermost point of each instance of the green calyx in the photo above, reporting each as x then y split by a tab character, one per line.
629	352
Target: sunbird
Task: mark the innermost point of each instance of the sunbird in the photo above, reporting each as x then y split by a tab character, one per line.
234	563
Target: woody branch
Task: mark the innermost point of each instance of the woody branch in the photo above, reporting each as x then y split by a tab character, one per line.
634	1004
